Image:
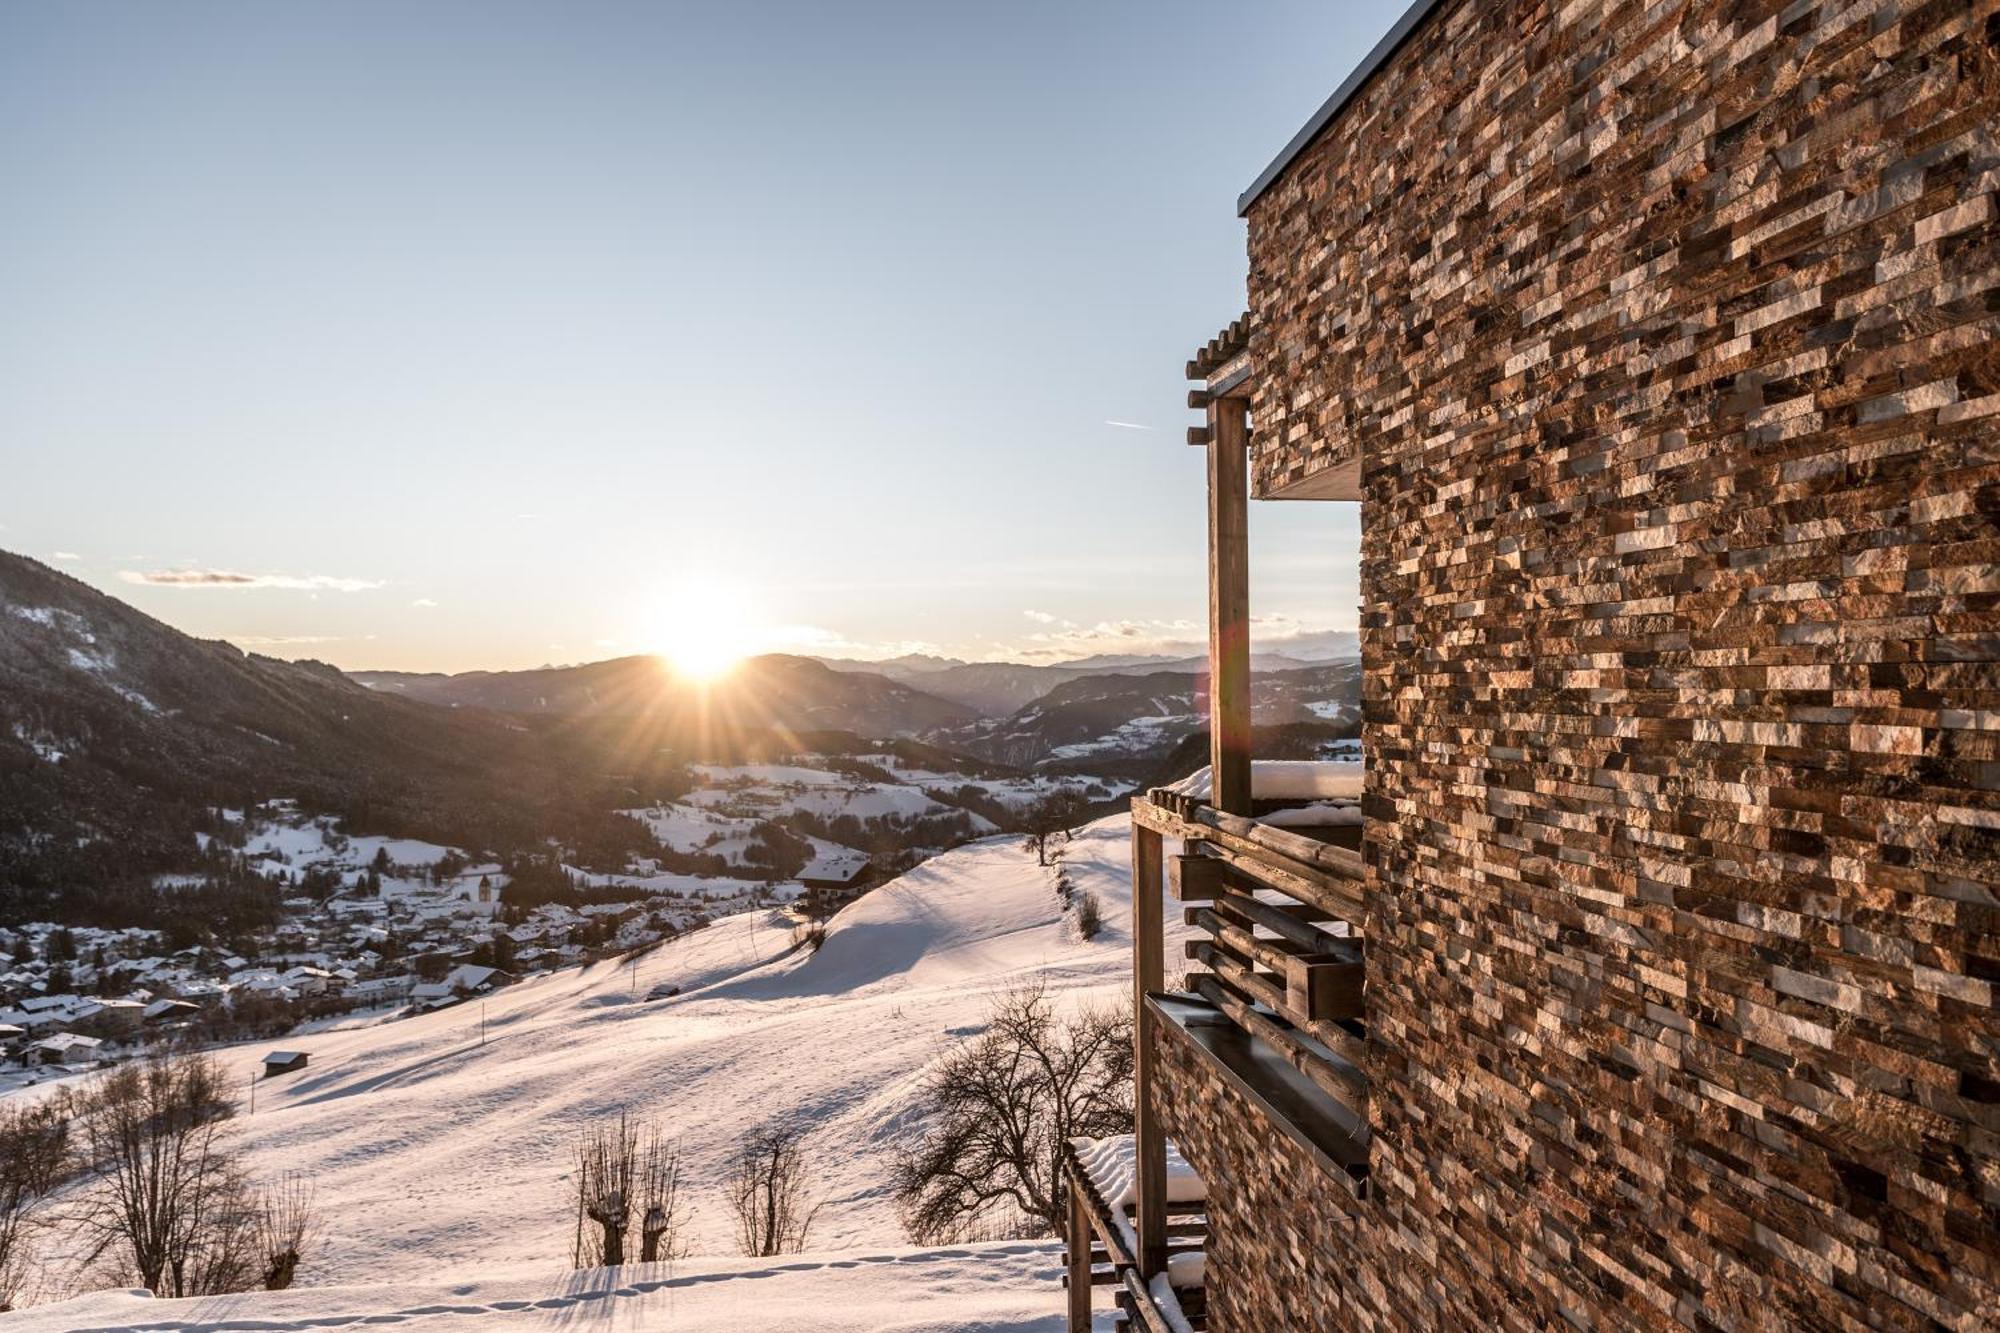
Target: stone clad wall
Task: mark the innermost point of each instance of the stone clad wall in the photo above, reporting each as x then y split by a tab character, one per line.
1283	1252
1665	334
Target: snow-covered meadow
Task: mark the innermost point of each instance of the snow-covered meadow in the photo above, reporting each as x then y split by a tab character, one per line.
438	1143
991	1287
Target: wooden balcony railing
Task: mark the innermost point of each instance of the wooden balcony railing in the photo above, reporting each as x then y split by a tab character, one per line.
1282	953
1275	1001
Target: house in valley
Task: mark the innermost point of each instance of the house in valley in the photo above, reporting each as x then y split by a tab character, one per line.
463	981
161	1012
64	1048
1647	978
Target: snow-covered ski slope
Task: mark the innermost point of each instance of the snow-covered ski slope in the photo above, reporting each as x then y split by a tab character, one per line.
440	1153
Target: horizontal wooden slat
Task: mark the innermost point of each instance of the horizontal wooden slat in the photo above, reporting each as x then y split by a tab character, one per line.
1283	920
1326	877
1236	992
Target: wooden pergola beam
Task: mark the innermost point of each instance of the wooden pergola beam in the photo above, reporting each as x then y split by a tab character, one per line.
1229	604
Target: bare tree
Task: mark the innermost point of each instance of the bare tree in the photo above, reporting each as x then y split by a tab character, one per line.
663	1214
287	1224
166	1193
1054	817
606	1160
216	1251
1000	1108
768	1190
36	1156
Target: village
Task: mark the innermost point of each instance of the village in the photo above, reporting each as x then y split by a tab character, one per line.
371	928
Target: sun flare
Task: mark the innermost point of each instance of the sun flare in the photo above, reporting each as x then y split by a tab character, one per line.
702	629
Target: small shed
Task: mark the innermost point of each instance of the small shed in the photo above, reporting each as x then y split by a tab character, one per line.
283	1062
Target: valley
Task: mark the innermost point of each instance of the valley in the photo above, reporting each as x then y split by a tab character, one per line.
436	1142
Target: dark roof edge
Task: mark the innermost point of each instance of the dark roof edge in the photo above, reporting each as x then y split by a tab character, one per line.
1412	19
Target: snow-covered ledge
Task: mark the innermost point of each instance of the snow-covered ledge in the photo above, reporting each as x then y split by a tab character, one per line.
1288	780
1328	790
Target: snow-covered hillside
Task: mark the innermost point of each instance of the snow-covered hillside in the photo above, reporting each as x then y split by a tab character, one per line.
995	1287
438	1143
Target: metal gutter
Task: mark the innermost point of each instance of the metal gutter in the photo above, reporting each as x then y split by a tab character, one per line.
1412	19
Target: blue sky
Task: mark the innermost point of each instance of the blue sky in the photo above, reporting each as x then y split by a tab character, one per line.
486	335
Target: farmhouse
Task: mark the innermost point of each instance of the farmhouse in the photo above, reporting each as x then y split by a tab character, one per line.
65	1048
467	979
1649	981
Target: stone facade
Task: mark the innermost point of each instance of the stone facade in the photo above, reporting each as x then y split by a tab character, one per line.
1664	337
1283	1249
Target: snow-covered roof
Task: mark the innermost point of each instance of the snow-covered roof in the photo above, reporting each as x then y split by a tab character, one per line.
67	1041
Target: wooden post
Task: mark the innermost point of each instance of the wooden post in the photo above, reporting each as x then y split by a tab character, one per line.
1079	1260
1148	967
1229	605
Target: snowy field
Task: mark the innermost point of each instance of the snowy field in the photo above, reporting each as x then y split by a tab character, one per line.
438	1143
995	1287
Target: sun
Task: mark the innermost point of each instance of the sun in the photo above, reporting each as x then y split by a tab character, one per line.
704	629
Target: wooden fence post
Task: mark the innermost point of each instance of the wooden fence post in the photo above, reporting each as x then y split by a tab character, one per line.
1079	1260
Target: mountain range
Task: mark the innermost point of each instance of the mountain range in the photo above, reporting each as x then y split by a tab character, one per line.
120	736
996	688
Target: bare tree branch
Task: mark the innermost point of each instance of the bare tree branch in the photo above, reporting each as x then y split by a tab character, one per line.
768	1191
999	1110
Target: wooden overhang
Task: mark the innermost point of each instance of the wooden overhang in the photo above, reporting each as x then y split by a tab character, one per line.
1222	366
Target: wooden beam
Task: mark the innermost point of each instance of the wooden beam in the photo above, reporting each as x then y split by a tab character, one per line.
1346	1084
1148	978
1150	1318
1229	605
1078	1243
1326	882
1195	878
1320	986
1285	920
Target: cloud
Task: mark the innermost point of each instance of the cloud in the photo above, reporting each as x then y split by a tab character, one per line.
64	555
280	640
225	578
1126	425
423	601
1147	638
816	641
1040	617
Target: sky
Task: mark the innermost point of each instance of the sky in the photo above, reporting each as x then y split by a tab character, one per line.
436	336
